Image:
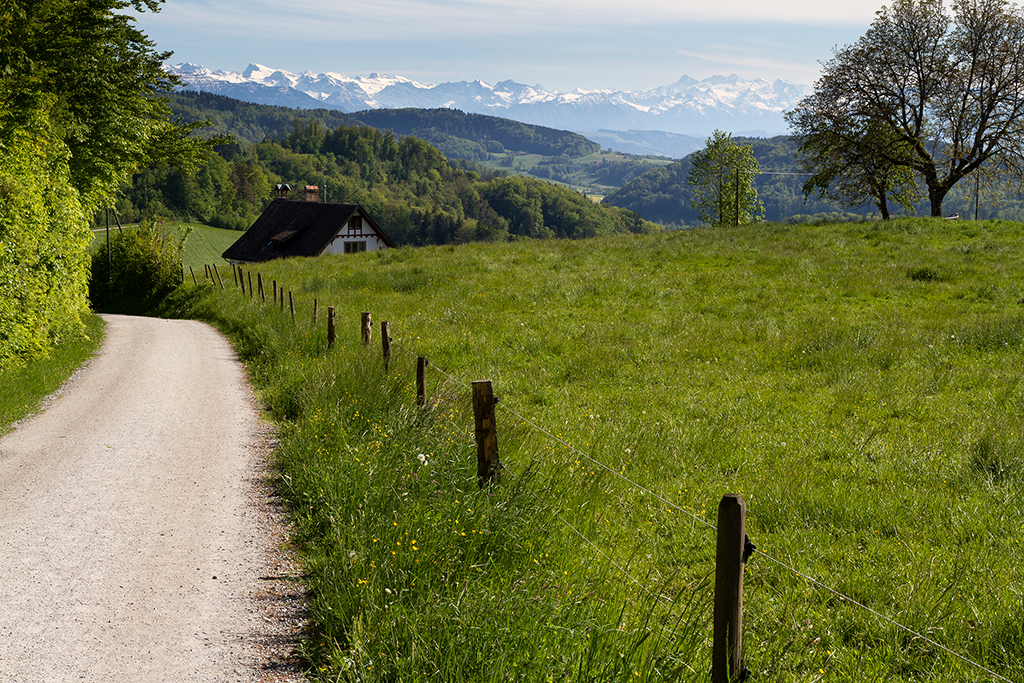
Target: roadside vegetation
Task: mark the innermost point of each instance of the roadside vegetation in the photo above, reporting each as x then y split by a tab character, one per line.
26	385
859	384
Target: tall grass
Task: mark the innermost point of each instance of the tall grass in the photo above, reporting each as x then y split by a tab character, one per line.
869	415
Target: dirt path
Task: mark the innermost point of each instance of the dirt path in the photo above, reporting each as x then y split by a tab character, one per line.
131	548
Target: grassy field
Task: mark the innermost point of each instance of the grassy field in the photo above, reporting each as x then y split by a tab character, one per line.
859	384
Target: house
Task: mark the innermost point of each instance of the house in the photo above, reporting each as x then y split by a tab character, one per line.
307	228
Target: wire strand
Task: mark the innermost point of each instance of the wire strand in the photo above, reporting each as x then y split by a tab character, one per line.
847	598
608	469
431	364
664	603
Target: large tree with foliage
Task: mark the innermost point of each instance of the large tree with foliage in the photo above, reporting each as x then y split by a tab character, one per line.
77	116
722	177
947	87
849	160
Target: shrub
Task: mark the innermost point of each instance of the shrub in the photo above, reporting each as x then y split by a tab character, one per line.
144	265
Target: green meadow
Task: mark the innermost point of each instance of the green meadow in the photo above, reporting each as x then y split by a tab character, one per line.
858	384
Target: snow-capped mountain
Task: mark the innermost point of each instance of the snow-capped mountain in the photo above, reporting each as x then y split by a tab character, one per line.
687	106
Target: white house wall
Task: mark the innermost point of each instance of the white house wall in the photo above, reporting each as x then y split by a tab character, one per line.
337	245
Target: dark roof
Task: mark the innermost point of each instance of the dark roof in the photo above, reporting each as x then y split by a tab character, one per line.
296	228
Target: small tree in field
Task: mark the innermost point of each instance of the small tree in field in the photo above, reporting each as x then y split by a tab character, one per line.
722	178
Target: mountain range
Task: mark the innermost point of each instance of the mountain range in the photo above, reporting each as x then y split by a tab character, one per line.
688	107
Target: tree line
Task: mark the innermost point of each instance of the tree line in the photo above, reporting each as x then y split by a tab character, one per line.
407	184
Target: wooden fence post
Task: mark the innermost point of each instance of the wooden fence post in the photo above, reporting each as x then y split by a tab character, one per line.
421	381
250	283
367	329
727	651
291	305
259	285
275	291
488	467
219	280
234	273
194	280
280	304
385	342
330	327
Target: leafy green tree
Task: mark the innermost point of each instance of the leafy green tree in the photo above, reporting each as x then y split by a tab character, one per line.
43	240
850	160
948	88
722	177
77	87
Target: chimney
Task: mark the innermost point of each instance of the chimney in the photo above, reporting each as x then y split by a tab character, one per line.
312	193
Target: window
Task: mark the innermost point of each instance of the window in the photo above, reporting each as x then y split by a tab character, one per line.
354	247
355	224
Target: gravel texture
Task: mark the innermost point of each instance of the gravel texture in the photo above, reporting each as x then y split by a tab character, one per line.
139	536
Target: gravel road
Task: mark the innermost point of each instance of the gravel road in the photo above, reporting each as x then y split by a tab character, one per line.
138	541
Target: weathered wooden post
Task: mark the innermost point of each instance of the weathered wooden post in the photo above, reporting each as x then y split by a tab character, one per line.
315	303
488	467
275	291
194	280
219	280
259	285
250	283
234	273
385	342
367	329
280	304
421	381
291	305
727	651
330	327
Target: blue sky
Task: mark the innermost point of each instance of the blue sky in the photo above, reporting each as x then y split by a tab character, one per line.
592	44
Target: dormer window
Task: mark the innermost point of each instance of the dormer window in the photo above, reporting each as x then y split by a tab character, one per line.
355	224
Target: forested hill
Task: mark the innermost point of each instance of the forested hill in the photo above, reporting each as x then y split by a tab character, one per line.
245	120
406	184
458	135
663	194
476	136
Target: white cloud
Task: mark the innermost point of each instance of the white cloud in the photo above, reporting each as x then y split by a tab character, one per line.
419	19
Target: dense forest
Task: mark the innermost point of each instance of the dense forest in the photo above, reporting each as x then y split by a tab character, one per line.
663	194
246	121
475	136
409	187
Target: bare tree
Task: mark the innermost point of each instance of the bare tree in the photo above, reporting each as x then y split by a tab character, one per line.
948	89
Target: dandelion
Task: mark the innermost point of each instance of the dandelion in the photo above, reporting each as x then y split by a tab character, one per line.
422	457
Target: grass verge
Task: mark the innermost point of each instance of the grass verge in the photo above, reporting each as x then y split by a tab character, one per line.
26	386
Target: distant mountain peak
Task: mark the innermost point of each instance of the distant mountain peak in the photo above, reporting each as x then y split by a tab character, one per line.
688	106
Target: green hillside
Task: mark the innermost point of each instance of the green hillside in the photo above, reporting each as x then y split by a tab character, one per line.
663	194
859	384
476	136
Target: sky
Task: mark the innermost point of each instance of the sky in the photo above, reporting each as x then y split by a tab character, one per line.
565	45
